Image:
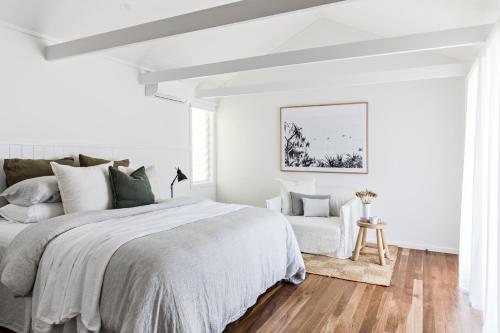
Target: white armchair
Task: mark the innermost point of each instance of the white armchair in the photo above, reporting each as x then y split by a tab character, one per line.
333	236
274	204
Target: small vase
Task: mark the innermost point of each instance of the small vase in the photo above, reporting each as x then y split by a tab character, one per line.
367	211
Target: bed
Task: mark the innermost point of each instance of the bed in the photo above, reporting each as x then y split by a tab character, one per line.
9	230
183	265
12	310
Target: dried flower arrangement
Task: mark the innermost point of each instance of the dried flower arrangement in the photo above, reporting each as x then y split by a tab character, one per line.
366	196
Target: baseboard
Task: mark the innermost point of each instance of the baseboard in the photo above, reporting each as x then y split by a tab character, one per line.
433	248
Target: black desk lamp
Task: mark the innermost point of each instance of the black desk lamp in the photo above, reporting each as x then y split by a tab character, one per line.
179	177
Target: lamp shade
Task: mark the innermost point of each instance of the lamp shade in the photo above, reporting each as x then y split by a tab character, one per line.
180	175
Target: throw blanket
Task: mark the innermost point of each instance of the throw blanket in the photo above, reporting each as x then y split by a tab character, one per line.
200	284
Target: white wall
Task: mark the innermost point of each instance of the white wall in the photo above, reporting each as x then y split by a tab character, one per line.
84	100
416	134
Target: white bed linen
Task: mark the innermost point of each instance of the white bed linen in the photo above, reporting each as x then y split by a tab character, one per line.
31	214
9	230
75	289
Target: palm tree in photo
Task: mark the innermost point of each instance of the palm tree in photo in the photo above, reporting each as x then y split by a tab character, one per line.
297	155
296	146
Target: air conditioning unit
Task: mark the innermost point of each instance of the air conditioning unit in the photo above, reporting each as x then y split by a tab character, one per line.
152	91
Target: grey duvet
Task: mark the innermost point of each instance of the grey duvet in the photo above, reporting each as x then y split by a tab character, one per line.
181	266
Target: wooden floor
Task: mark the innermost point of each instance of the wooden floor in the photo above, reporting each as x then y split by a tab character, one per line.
423	297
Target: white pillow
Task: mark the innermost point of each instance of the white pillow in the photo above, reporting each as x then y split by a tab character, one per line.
153	177
83	189
31	214
286	186
33	191
316	207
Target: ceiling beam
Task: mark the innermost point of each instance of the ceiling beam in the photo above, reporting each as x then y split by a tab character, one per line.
378	77
377	47
236	12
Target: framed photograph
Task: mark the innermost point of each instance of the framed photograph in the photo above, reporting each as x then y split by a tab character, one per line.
325	138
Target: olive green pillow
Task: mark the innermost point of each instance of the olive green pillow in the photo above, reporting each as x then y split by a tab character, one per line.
86	161
17	169
130	190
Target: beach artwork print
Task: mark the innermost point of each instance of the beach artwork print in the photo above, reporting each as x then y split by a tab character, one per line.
325	138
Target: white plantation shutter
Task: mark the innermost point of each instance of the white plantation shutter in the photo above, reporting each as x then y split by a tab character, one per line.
202	145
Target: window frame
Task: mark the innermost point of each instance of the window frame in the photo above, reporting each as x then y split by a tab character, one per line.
212	167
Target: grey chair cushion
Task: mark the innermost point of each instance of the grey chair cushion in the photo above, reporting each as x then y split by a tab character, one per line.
298	205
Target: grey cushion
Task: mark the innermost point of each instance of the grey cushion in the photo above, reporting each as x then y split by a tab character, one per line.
33	191
297	204
316	207
130	190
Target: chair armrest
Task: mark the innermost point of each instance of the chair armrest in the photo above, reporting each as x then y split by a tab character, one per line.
274	204
350	213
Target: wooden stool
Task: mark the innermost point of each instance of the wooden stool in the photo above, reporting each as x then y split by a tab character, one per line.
383	249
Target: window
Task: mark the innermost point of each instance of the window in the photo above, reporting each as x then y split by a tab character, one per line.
202	141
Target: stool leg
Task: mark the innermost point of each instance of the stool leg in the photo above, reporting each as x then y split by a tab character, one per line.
386	248
358	244
380	247
363	243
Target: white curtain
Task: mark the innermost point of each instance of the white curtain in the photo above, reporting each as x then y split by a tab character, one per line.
479	228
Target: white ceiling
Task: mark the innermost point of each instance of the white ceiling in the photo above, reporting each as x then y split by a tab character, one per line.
70	19
349	21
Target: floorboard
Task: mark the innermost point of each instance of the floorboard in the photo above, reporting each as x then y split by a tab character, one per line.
423	297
